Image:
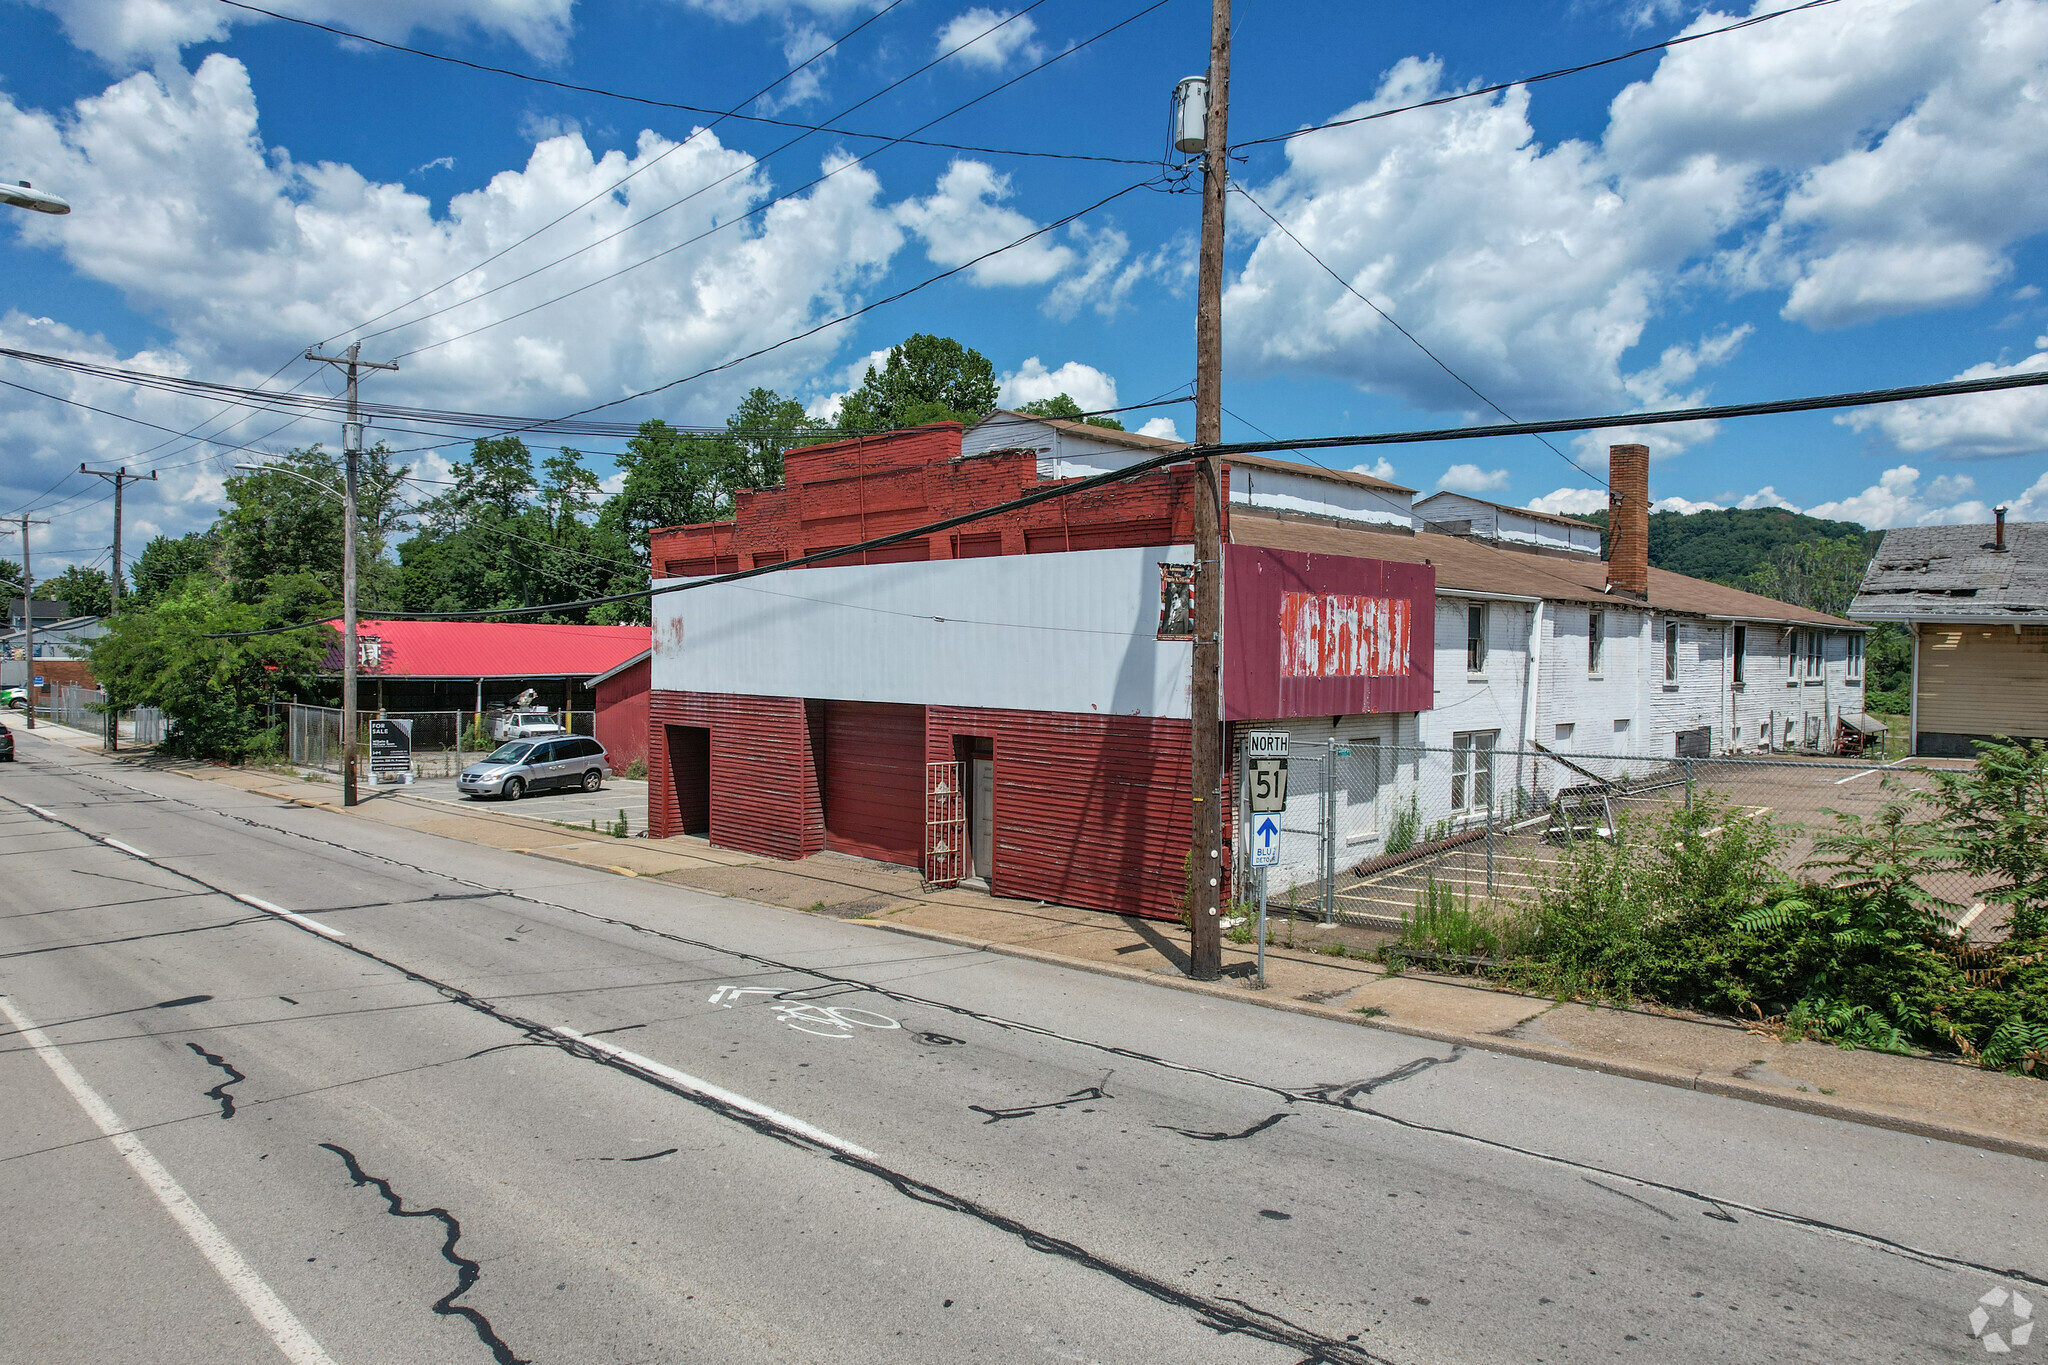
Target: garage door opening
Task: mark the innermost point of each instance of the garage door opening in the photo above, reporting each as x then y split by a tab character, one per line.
874	781
689	764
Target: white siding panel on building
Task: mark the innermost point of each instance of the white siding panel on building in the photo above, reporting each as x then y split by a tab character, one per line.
1068	632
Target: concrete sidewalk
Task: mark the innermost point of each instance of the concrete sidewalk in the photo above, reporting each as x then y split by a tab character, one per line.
1931	1097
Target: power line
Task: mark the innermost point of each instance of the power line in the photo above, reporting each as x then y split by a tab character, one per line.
757	210
1385	317
698	109
1667	44
614	186
1225	449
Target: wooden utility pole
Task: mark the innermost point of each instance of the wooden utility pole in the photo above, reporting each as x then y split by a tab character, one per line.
120	478
1205	947
351	452
28	616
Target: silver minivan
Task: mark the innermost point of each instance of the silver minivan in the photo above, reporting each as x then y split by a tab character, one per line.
535	765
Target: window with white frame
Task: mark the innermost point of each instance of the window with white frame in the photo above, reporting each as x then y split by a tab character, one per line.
1855	657
1472	769
1475	638
1741	651
1816	655
1791	654
1671	651
1596	625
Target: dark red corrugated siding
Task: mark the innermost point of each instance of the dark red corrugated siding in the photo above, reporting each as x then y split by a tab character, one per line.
874	781
622	716
1092	811
764	782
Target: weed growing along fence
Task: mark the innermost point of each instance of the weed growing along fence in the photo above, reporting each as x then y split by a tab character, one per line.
1689	906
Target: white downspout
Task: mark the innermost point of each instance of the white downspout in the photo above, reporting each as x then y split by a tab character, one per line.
1532	681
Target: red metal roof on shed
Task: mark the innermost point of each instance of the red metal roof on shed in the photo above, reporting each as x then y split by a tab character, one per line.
493	649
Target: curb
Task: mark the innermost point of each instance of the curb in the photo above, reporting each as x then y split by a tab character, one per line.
1719	1086
1722	1087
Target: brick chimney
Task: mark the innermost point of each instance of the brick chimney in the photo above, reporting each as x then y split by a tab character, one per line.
1628	520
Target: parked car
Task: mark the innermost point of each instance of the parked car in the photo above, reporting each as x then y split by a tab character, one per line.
14	698
521	766
6	745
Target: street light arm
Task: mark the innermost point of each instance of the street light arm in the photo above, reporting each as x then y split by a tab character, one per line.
280	469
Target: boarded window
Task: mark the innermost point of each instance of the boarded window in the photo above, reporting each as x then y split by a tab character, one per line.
979	546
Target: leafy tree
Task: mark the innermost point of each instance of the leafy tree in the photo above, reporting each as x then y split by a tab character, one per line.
10	578
1996	814
1888	660
276	525
766	426
1818	574
1725	545
167	561
498	539
83	591
675	478
925	379
211	689
1060	405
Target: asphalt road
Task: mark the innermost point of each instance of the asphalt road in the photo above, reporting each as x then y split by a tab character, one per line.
470	1106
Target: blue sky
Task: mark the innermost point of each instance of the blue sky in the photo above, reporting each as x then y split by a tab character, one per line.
1850	197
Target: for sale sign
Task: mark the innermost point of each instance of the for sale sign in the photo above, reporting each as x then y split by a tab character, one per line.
390	750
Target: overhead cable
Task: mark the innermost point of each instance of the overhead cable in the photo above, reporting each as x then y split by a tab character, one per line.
1388	319
612	188
1225	449
749	214
652	103
1479	91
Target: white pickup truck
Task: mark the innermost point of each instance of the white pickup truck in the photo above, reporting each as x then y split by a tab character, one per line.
524	725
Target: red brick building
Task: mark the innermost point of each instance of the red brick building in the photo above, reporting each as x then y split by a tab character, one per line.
997	701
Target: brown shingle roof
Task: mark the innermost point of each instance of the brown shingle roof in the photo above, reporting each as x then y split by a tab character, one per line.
1475	566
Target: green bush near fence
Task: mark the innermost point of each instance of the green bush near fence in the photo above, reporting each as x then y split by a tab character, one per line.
1688	909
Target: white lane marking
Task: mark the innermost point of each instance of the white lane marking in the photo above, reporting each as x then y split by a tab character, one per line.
719	1093
302	921
40	811
263	1304
111	842
1852	777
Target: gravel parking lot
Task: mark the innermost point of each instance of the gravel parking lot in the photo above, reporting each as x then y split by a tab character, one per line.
572	807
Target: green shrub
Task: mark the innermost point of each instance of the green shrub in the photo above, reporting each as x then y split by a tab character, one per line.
636	771
1404	831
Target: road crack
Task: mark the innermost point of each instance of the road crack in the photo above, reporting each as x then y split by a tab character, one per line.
220	1092
467	1272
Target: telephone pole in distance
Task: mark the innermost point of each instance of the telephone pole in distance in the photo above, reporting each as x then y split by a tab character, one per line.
120	478
351	451
28	612
1205	708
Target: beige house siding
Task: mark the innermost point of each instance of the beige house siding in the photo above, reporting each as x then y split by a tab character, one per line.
1984	680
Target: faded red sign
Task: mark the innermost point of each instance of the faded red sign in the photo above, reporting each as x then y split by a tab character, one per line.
1343	635
1325	635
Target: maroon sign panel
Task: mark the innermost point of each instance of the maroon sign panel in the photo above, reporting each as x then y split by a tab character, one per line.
1325	635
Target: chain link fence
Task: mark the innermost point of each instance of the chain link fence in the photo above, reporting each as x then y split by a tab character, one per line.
443	742
1372	831
80	707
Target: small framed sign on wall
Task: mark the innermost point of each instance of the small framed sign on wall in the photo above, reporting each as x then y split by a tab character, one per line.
1176	601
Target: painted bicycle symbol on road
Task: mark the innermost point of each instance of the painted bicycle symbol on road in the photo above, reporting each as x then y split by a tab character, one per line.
807	1015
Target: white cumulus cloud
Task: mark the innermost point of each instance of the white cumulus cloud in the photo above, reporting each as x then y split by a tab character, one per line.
1378	469
1032	382
1970	426
1470	478
965	217
125	33
1569	502
990	42
1164	427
